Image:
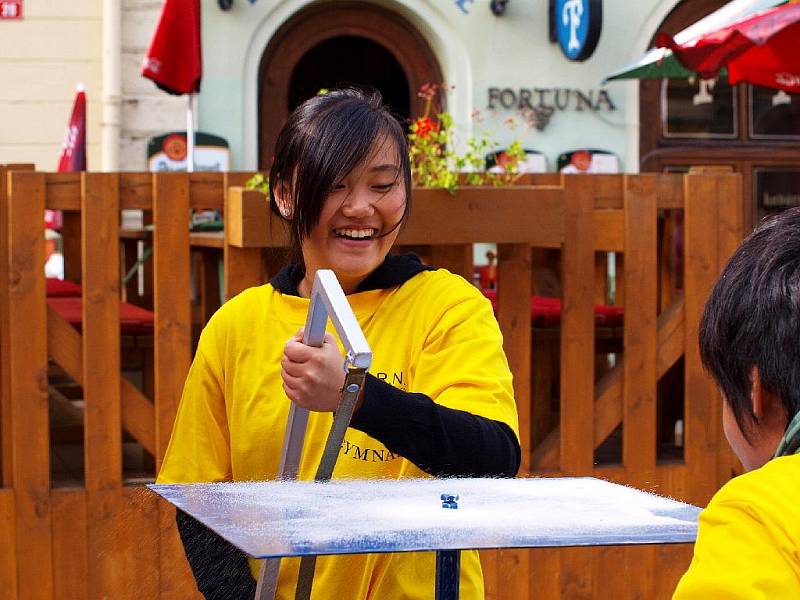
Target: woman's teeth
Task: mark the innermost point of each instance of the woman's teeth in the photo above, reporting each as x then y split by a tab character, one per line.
355	234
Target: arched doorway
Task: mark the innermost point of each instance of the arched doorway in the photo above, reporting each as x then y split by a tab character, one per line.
341	43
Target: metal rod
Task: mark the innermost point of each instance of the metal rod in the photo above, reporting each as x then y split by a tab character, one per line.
327	300
448	574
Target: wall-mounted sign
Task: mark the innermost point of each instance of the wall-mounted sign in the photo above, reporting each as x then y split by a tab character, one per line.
10	9
538	105
168	152
577	25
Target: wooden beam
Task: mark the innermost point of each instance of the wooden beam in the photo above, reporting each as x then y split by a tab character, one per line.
171	299
608	391
639	445
64	344
577	328
27	376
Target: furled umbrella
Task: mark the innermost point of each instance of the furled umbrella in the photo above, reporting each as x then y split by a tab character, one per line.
756	41
73	151
174	59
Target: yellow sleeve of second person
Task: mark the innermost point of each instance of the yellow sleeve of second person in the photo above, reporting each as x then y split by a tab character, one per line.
747	540
199	449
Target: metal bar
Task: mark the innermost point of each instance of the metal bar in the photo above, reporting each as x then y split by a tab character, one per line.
327	300
448	574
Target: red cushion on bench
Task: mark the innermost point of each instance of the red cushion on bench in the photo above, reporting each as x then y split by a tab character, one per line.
134	320
61	288
546	312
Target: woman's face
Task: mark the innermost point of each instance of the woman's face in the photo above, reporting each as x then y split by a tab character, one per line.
358	222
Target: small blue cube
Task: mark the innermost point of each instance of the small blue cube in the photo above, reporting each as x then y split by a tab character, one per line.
449	500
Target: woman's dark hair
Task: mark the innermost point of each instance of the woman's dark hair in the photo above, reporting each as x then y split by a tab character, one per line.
752	319
324	139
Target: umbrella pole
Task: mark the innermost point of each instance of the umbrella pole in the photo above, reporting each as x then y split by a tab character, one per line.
190	135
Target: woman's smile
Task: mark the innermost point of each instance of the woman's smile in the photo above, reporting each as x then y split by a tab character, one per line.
359	221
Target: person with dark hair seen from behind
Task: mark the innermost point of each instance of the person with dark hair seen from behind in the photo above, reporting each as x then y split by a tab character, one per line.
438	400
748	545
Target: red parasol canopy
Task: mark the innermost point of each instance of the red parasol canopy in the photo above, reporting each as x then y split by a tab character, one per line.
73	152
763	49
174	59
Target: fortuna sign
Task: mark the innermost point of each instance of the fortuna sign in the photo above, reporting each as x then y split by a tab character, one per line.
577	26
538	105
10	9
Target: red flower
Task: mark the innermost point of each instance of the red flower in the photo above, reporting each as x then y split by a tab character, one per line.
423	126
427	91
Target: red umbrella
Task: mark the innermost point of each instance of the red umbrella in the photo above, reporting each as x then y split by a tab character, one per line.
762	49
174	59
73	152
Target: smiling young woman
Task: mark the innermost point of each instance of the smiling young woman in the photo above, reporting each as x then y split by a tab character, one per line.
438	399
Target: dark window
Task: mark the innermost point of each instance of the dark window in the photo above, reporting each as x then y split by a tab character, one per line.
698	108
774	114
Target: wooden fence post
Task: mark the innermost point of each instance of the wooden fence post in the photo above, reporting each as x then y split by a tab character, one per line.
172	347
27	377
514	315
577	328
101	382
702	400
640	331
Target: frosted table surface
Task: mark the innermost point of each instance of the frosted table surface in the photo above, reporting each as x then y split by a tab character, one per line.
292	518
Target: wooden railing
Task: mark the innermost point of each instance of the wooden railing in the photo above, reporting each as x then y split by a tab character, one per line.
103	535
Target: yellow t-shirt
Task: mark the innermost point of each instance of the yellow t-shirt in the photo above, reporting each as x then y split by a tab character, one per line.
435	334
748	544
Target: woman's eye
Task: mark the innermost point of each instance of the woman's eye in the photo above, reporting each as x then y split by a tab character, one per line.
383	187
339	186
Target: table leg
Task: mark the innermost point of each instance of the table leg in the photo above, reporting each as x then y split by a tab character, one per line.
448	574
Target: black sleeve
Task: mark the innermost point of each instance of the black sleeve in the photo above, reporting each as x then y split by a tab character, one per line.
441	441
220	569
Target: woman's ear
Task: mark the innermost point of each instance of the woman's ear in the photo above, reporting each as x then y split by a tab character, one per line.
284	200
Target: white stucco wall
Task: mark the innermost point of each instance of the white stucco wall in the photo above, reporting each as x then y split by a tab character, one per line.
58	44
43	57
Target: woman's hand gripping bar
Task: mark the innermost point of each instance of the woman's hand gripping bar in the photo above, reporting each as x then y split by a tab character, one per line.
327	300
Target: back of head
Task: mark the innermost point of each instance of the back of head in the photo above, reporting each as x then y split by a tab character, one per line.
752	318
323	140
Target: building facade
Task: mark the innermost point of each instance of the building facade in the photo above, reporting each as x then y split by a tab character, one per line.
509	79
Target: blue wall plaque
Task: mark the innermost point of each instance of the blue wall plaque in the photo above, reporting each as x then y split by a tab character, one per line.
577	25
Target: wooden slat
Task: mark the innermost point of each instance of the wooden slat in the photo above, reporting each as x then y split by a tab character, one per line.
640	332
140	550
28	384
513	315
172	341
171	299
206	190
101	349
608	391
730	230
577	328
8	554
63	191
101	382
176	579
456	258
5	401
136	191
702	408
70	558
491	584
511	215
65	347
